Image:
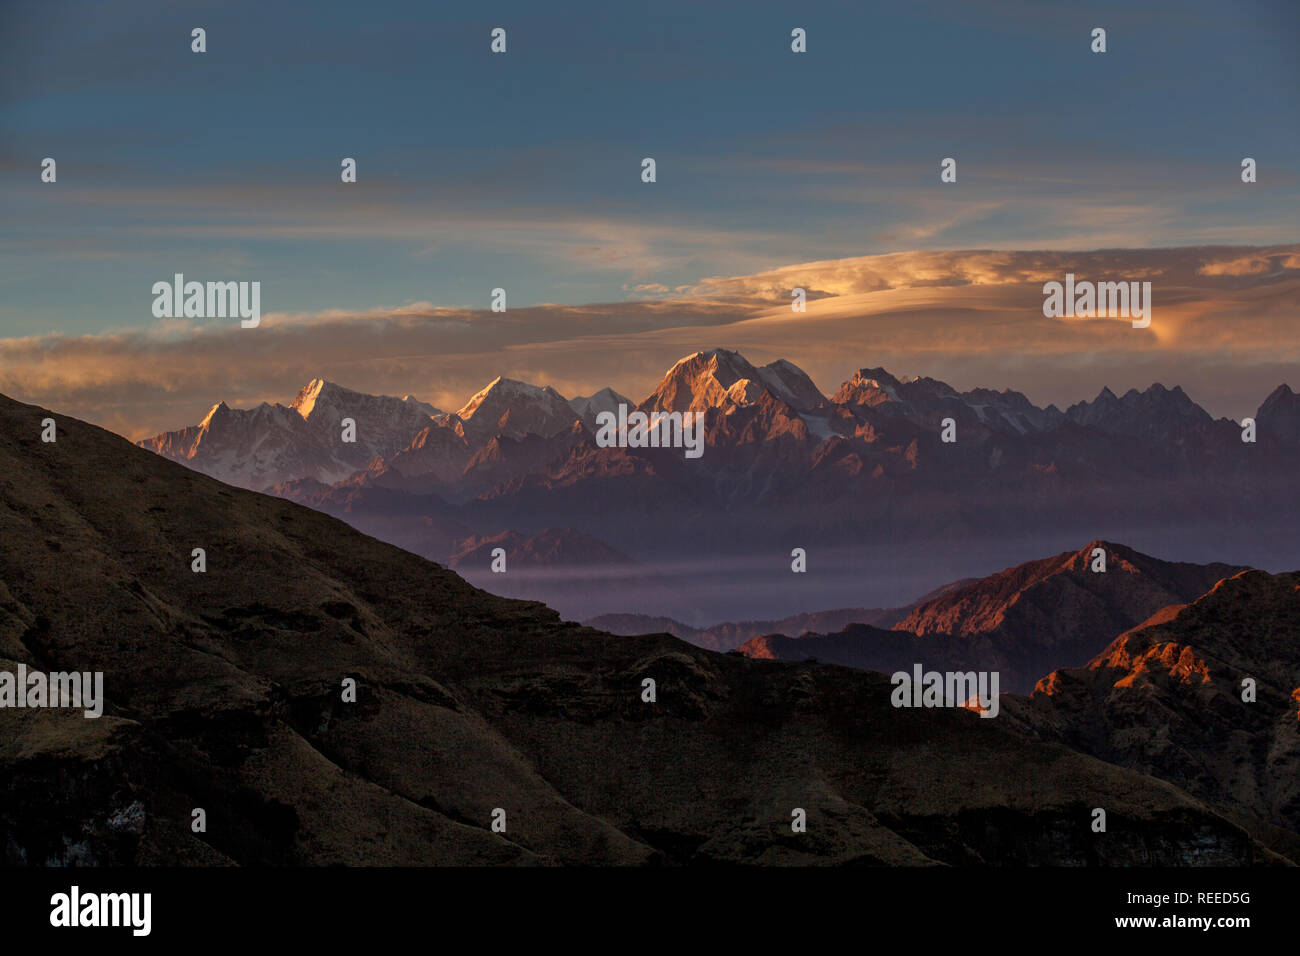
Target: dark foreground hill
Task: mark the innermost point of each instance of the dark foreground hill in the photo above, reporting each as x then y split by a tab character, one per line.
224	693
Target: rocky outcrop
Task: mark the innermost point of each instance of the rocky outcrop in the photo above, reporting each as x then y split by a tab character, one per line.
1205	695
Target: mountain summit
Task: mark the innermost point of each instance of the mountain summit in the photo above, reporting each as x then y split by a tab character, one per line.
320	395
719	378
515	409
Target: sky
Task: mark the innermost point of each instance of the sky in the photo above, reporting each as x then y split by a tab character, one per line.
522	171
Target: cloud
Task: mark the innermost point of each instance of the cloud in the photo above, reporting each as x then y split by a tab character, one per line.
1257	264
955	269
1224	327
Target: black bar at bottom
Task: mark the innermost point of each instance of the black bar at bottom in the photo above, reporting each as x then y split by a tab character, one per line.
335	905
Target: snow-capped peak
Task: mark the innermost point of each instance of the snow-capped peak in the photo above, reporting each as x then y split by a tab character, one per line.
320	393
716	377
606	400
515	409
502	389
791	384
212	413
719	358
312	394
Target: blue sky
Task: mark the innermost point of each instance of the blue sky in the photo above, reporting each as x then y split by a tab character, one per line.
522	170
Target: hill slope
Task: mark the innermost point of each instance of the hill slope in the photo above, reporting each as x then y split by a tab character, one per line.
223	693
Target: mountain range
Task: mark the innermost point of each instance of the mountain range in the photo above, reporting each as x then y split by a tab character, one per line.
258	447
862	480
226	690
